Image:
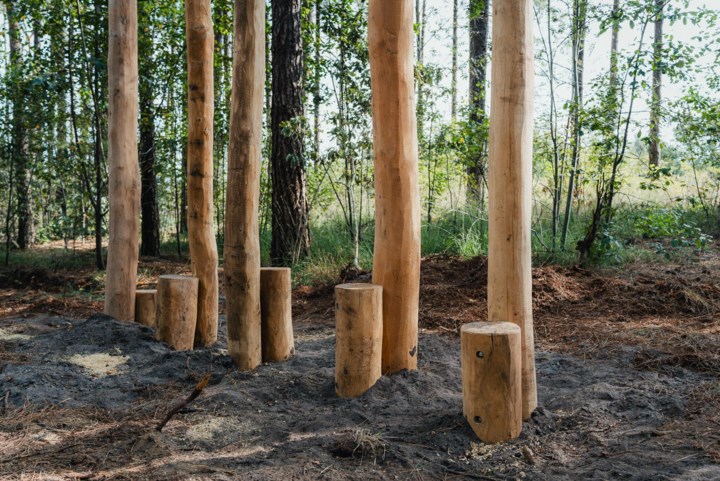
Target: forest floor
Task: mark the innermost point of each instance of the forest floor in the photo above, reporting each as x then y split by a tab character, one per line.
628	367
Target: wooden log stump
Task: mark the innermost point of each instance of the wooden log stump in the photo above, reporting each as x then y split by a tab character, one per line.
145	307
177	299
358	338
491	379
276	314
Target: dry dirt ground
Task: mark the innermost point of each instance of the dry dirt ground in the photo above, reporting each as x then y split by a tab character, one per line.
628	373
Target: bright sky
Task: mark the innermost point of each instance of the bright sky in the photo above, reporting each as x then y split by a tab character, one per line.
439	44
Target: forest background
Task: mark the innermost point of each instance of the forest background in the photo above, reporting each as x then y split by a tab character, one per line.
627	158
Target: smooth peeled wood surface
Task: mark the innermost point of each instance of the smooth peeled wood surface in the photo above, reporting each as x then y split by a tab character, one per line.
201	233
276	308
510	180
491	379
177	299
145	307
123	170
241	251
396	264
358	338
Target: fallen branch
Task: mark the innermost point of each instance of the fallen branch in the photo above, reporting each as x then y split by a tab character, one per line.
196	392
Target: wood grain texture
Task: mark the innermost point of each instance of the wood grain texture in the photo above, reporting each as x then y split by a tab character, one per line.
201	233
123	170
491	379
241	254
145	307
396	264
177	300
276	313
510	180
358	338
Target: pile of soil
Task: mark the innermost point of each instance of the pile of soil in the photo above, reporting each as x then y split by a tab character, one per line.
83	399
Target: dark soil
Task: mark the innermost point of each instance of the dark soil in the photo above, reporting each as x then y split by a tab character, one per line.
628	376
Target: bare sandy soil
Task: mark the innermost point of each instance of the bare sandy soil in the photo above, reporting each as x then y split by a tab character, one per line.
628	374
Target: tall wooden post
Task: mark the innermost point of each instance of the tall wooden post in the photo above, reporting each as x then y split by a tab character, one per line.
124	176
201	234
242	232
396	265
510	180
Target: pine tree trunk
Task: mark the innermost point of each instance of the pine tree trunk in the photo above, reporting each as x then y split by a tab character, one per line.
20	142
479	14
290	229
150	229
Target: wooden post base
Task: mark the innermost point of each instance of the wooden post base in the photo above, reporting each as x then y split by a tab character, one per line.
177	298
145	307
491	379
276	314
358	338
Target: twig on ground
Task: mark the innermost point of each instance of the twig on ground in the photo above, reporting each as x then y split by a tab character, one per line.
6	402
196	392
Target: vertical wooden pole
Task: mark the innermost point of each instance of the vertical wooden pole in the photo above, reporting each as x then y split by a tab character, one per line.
201	234
510	180
242	234
396	265
123	173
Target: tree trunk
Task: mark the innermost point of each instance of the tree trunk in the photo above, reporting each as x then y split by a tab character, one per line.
656	104
242	232
453	85
20	142
396	265
578	79
150	226
510	182
124	180
290	229
201	233
479	14
150	230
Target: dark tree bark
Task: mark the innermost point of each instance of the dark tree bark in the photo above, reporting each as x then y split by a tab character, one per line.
479	14
150	227
290	230
150	216
20	142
